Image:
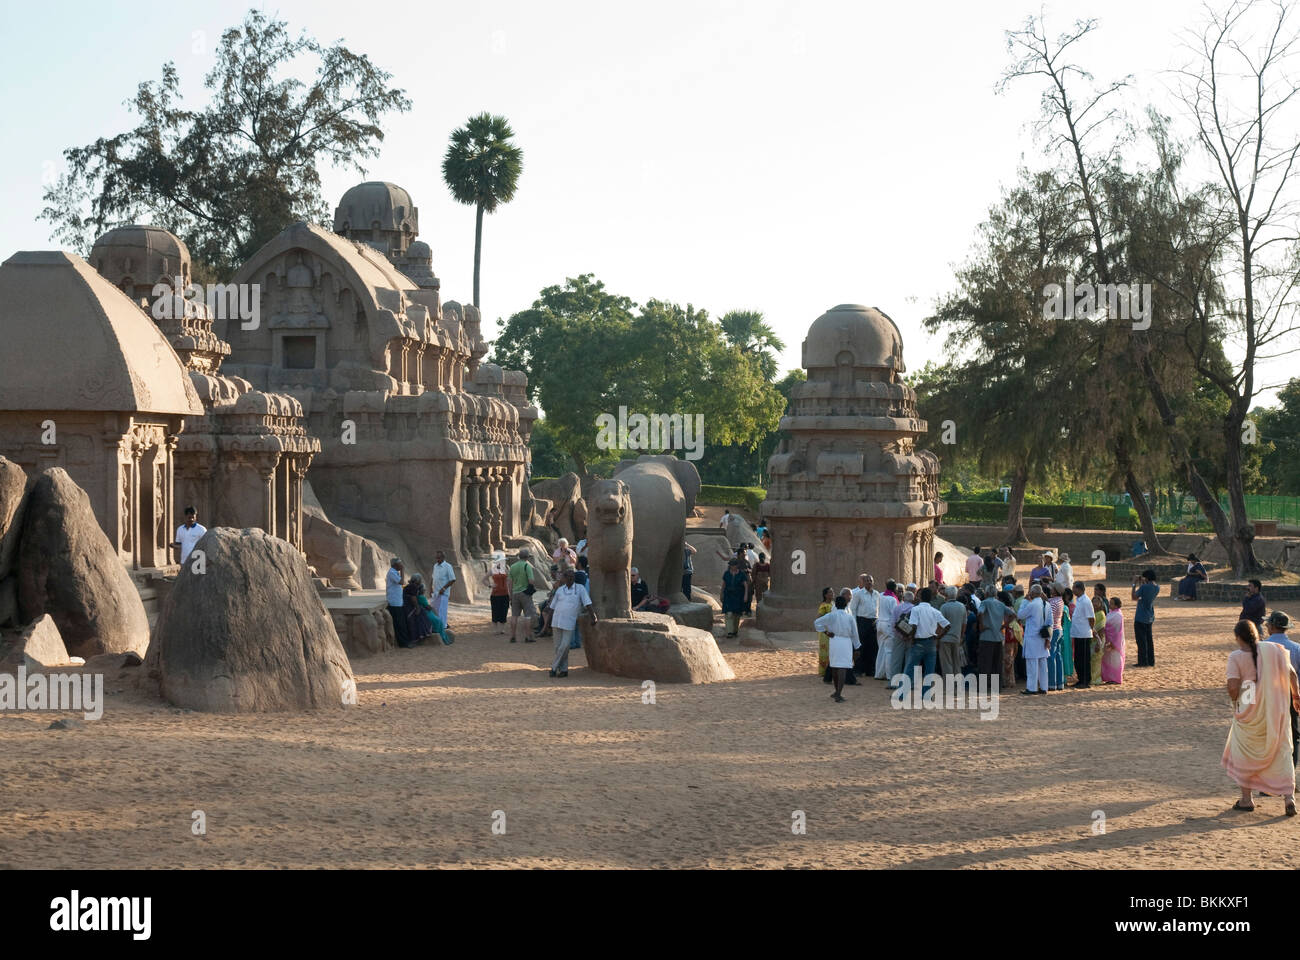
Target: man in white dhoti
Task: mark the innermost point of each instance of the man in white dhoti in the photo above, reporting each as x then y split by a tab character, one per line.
842	630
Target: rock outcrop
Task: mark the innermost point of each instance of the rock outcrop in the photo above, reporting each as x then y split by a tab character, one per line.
651	646
68	568
35	646
249	634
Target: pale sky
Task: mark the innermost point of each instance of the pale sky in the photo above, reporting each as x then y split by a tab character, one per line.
774	156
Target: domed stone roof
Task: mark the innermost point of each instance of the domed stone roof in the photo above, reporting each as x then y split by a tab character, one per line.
58	314
419	251
866	333
375	201
142	253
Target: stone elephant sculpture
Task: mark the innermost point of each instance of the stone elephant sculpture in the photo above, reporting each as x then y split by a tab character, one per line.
663	491
609	549
568	510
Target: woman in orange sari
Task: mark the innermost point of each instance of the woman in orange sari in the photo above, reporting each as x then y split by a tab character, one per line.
1262	684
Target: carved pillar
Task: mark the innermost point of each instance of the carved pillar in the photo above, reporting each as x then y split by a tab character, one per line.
266	464
498	534
137	451
169	521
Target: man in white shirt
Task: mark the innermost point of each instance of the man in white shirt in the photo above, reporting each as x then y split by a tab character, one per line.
188	534
1065	573
567	601
726	519
864	604
1082	623
442	579
393	594
930	627
885	630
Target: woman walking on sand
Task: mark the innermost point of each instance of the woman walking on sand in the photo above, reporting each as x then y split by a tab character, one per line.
1262	684
498	579
1112	657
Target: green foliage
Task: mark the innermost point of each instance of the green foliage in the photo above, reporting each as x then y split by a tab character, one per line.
747	330
1279	435
739	466
720	496
481	165
587	354
1070	514
230	176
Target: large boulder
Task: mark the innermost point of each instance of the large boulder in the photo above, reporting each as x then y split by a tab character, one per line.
651	646
68	568
249	633
13	483
35	646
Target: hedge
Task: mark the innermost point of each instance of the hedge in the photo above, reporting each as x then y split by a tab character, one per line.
719	496
1087	517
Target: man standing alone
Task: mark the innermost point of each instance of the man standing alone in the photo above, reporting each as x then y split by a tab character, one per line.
443	577
1144	619
521	601
188	534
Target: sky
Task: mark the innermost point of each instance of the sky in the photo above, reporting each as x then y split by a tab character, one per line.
782	157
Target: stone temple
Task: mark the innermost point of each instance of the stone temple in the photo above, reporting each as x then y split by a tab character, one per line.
847	487
355	418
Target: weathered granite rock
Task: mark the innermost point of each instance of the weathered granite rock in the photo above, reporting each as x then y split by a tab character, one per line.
698	615
250	634
8	601
13	483
68	569
364	633
35	646
651	646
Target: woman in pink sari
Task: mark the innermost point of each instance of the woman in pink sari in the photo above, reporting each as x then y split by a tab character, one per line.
1112	657
1262	684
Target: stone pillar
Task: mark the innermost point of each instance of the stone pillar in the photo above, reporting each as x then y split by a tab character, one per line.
137	451
497	534
169	521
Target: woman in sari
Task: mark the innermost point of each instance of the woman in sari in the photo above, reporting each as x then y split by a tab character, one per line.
1195	574
762	575
417	625
823	641
1262	685
1067	645
1101	608
1112	657
1055	659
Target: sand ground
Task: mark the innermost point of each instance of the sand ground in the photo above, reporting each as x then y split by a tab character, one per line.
588	775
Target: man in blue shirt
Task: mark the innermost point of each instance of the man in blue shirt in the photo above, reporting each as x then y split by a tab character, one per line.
1145	591
1277	625
393	594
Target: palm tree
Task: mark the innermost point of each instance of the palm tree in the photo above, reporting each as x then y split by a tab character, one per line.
482	168
748	330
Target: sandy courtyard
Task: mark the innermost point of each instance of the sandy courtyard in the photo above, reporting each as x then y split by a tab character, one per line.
588	775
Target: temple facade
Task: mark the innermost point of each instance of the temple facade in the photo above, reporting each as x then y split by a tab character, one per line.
848	492
242	461
423	446
89	383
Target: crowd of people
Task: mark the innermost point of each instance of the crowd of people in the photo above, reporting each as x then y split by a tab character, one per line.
416	615
1048	633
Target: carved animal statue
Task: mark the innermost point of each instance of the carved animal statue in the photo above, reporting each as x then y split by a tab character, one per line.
609	549
568	510
663	490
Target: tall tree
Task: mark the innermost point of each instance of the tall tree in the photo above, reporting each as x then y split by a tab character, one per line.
229	177
1010	383
482	168
748	330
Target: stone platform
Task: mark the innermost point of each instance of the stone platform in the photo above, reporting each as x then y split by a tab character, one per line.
651	646
362	622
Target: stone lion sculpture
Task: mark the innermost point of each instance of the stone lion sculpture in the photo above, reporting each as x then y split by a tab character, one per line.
609	548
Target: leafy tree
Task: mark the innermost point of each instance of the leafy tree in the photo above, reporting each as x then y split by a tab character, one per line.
482	169
229	177
736	465
748	330
1011	378
1280	428
586	354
